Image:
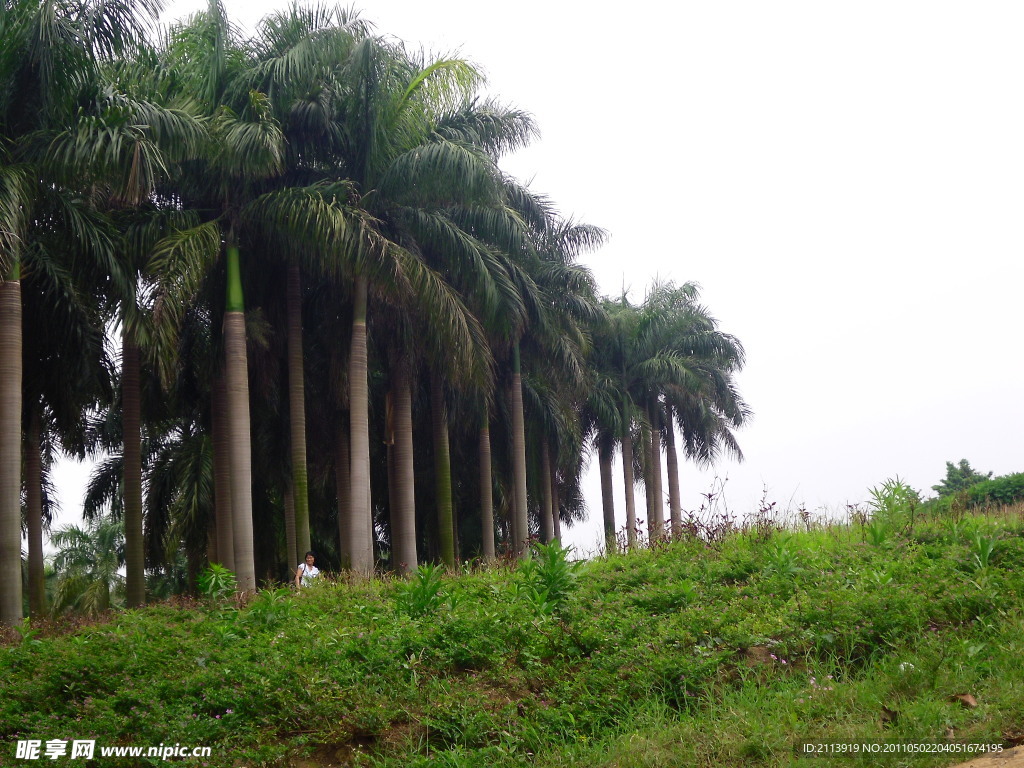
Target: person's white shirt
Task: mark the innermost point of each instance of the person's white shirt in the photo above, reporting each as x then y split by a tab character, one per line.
307	573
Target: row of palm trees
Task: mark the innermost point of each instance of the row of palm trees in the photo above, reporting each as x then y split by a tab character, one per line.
310	254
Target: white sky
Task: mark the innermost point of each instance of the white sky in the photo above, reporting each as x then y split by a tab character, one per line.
845	180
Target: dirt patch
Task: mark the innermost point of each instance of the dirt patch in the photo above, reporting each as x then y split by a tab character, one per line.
756	655
1008	758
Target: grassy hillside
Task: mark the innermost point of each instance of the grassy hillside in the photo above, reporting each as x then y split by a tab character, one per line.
713	653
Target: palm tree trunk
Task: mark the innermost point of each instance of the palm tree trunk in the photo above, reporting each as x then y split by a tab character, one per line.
627	476
239	445
547	526
657	520
343	490
520	522
674	504
222	472
442	471
486	493
604	460
556	516
645	475
10	449
360	513
211	540
131	425
297	410
292	555
34	510
403	502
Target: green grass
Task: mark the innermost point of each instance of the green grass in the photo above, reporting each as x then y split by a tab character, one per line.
687	654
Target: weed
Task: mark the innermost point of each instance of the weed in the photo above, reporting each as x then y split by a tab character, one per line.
270	608
894	502
217	582
547	577
421	595
982	548
783	559
877	532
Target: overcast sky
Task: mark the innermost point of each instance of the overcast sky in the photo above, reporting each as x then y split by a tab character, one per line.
845	180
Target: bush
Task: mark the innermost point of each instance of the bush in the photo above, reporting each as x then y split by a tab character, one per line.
1007	489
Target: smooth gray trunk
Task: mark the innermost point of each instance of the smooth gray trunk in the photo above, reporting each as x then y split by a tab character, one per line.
627	478
486	494
520	521
547	526
403	501
240	449
225	554
556	515
297	414
604	459
343	490
292	555
34	514
657	522
672	466
442	472
131	426
361	535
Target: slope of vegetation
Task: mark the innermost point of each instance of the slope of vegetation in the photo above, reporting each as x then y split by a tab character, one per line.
695	652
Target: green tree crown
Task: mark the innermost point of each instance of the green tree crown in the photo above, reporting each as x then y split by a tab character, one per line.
958	477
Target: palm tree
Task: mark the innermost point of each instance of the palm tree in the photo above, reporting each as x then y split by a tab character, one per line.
667	356
247	147
88	561
45	72
61	288
416	173
559	294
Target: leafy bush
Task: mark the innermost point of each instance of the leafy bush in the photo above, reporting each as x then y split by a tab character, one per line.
893	502
1007	489
547	577
217	582
270	608
422	593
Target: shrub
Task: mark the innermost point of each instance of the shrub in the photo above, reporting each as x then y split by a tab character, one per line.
1007	489
422	593
217	582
